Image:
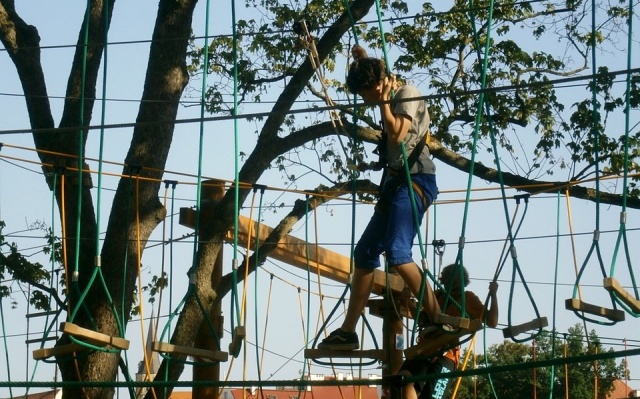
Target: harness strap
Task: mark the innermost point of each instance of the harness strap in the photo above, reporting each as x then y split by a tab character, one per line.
382	204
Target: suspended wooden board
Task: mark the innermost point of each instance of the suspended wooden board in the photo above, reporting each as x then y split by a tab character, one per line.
579	306
200	354
432	343
378	354
612	285
46	353
236	342
457	322
535	324
93	337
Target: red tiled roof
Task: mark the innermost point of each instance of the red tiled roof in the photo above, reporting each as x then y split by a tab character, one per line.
620	390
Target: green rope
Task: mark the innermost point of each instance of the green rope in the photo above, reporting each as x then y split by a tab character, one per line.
97	272
511	237
595	245
555	296
623	214
236	186
6	346
257	267
355	382
192	290
425	271
201	143
308	264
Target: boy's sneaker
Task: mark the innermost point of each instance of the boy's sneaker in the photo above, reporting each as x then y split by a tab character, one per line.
341	341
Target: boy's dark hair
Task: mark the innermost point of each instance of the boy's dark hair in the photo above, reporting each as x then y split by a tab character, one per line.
365	73
453	271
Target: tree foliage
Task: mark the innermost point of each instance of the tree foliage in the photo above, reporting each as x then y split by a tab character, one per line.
579	378
537	132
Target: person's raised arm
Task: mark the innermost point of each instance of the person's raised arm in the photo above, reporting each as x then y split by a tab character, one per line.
396	125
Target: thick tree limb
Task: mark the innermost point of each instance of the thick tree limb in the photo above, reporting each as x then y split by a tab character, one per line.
522	183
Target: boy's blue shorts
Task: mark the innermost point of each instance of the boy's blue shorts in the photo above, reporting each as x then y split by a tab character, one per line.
393	226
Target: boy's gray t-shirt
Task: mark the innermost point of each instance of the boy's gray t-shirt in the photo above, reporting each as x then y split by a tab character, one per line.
419	114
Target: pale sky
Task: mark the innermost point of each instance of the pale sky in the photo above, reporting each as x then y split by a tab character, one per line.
486	223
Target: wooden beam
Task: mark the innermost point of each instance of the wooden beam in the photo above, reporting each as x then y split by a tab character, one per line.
293	251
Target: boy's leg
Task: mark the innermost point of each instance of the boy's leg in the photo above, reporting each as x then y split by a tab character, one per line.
360	290
412	276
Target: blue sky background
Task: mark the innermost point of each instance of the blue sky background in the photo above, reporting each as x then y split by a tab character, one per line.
25	200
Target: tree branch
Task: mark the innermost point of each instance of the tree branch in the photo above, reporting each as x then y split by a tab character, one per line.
522	183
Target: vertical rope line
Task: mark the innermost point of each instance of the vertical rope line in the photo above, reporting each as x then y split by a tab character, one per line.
307	262
6	346
594	133
354	188
81	137
410	192
255	296
236	187
103	111
205	66
555	296
622	232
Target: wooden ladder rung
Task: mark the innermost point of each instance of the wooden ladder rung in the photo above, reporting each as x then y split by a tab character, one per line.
41	340
535	324
441	339
457	322
213	356
612	285
93	337
46	353
378	354
236	342
579	306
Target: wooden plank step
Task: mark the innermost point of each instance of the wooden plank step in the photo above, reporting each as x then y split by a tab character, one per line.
440	338
535	324
378	354
579	306
236	342
93	337
457	322
200	354
46	353
612	285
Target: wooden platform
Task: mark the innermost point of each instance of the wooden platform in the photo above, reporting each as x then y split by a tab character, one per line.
378	354
439	339
579	306
46	353
93	337
200	354
535	324
612	285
